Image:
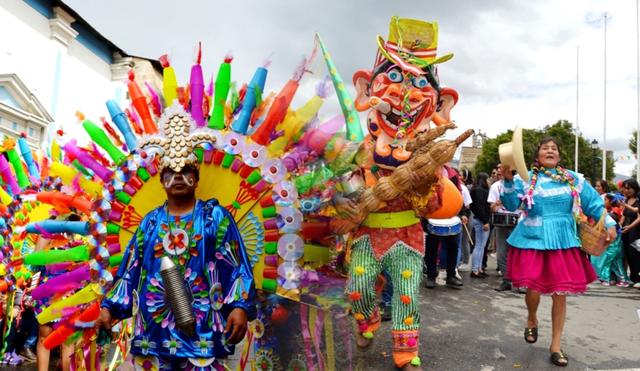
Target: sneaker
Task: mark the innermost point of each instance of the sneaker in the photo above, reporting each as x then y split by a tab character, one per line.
493	255
385	312
606	283
6	359
636	285
500	273
430	283
622	284
458	274
464	267
15	359
454	282
441	279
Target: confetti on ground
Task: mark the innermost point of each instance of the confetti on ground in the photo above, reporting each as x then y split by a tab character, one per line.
516	366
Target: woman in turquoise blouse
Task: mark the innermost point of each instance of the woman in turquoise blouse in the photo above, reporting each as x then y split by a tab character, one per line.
545	255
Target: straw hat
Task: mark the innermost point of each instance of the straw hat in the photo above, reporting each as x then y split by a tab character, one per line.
512	154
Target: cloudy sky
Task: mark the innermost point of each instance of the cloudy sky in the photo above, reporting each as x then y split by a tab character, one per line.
514	63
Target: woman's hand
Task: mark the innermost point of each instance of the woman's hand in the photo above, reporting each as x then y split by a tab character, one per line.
506	172
485	227
625	229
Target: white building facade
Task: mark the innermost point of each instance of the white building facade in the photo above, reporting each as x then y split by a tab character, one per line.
66	64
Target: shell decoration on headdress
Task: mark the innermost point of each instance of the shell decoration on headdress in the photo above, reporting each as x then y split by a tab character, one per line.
176	141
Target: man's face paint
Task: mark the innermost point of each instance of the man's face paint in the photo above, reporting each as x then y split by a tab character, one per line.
187	176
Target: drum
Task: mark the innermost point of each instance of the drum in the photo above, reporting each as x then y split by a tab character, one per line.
444	227
509	220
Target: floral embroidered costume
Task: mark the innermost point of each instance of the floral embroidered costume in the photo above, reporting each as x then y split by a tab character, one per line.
217	285
208	250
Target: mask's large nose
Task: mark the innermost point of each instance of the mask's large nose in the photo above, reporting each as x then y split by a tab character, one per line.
394	91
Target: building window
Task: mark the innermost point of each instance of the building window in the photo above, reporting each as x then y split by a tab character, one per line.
32	132
15	126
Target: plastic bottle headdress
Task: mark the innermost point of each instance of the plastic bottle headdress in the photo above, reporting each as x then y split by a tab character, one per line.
176	141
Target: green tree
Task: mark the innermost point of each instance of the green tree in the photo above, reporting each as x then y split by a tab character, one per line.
561	131
633	148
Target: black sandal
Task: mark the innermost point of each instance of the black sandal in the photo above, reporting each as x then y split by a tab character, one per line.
557	356
531	332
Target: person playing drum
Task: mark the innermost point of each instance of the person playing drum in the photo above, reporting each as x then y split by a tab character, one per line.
445	232
504	222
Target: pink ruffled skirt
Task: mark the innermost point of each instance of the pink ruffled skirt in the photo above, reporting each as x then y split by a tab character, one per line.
562	272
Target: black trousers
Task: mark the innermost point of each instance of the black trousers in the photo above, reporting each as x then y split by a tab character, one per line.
632	255
431	253
11	330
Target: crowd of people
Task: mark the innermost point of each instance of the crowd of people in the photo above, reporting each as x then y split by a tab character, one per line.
483	233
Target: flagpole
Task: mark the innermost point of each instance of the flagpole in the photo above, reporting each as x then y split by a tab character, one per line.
638	92
604	134
577	128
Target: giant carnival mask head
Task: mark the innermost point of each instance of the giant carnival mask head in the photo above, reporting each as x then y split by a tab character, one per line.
402	90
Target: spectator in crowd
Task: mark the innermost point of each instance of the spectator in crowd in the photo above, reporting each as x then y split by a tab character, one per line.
602	187
28	330
501	234
44	330
630	229
481	211
467	225
611	263
448	243
9	313
467	178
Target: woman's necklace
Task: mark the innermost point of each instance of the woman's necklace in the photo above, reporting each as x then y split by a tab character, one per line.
177	240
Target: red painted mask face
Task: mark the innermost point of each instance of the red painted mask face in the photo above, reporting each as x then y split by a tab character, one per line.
391	87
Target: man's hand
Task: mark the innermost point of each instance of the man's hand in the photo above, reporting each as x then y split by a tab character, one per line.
485	227
237	324
345	207
103	321
420	182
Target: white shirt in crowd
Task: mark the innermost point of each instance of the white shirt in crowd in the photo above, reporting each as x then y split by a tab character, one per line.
466	196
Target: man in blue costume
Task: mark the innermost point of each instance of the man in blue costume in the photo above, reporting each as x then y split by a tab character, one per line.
202	239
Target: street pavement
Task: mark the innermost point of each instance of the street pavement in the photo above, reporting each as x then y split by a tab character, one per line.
479	329
462	329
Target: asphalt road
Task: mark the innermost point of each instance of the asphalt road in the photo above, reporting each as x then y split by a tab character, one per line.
461	330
